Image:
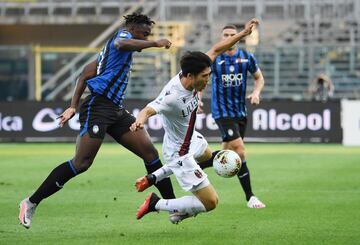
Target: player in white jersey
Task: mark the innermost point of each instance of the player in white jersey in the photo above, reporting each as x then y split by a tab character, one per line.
182	146
177	106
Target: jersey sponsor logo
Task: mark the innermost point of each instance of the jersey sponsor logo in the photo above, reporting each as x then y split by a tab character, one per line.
238	60
231	80
264	120
11	123
190	107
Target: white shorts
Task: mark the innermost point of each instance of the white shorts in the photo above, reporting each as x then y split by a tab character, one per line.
188	173
198	145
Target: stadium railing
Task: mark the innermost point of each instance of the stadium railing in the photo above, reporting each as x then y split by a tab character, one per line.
107	11
288	70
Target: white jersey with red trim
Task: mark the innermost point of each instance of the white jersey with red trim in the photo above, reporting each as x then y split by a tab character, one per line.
177	107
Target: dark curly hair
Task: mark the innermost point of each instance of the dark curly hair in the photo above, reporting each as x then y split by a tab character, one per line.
138	18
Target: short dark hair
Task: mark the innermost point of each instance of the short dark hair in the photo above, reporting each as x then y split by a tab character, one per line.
230	27
138	19
194	62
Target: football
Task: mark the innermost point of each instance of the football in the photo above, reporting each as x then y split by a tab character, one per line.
227	163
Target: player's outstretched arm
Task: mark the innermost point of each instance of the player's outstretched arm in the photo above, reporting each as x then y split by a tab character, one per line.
142	117
88	72
138	45
224	45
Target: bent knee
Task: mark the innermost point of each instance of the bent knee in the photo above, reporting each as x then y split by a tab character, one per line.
211	203
82	165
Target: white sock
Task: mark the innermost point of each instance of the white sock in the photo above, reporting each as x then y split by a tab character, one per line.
162	173
186	204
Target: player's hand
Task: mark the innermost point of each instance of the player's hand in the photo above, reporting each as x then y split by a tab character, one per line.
136	126
66	116
163	43
251	25
254	98
200	109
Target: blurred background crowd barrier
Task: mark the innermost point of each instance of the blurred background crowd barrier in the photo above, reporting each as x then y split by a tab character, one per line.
44	45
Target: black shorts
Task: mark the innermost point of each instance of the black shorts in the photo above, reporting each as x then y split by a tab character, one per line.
231	128
99	115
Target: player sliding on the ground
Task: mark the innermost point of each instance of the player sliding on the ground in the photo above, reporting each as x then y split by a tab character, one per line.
182	146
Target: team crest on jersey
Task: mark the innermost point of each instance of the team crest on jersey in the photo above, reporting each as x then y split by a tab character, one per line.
95	129
198	173
230	132
231	68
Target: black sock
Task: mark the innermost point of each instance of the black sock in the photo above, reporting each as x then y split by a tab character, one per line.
209	162
54	182
164	186
244	178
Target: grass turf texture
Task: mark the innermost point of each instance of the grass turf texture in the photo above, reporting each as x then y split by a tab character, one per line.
311	191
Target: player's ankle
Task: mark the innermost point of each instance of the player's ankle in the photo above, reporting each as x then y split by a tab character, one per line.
151	178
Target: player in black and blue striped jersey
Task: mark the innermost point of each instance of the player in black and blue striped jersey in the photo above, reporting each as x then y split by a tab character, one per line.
103	112
228	103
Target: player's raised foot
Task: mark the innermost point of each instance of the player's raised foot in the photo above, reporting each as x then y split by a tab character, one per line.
176	218
148	205
145	182
254	202
27	210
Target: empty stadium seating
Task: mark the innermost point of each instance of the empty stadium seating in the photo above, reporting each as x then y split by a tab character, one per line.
298	39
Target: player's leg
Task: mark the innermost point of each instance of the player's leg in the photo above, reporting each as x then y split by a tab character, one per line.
208	197
199	149
237	145
148	180
205	199
191	178
140	144
86	151
206	160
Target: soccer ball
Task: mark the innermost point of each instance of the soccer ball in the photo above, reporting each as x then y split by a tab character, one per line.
227	163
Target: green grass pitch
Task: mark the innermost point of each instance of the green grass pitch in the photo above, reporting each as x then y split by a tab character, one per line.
312	194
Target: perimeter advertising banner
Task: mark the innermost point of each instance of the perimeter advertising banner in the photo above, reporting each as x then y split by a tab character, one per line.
351	122
273	121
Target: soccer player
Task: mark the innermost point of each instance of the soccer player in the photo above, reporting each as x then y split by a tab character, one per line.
103	112
183	147
228	103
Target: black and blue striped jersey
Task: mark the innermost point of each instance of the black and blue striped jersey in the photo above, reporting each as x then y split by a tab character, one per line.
113	68
229	76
